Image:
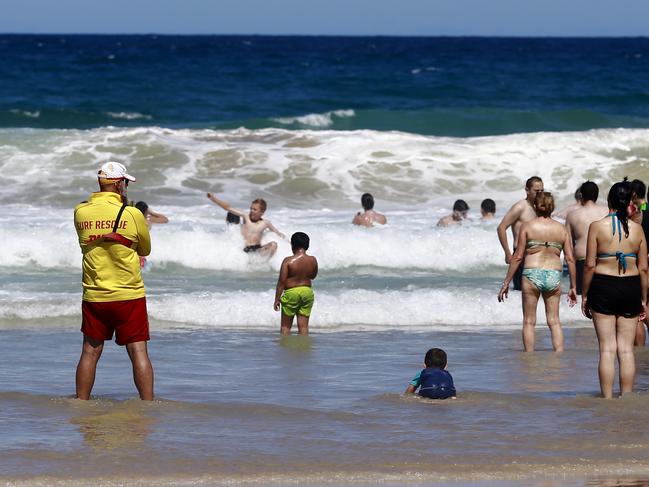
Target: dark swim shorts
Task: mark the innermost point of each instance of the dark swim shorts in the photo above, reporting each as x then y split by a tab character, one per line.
251	248
612	295
127	319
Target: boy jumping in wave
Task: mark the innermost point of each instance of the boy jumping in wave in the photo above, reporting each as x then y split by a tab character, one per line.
294	293
253	226
434	382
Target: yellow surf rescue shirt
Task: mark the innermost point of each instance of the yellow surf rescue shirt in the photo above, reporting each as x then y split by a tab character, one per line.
111	271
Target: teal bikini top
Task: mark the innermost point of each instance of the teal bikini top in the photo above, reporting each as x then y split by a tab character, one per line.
538	243
619	255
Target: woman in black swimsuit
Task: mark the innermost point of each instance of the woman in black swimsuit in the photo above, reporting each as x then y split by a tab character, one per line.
615	288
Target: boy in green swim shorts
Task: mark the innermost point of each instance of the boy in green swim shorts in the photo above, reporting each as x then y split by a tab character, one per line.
294	294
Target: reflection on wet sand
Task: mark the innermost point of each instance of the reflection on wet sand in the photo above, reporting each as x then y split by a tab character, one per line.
113	425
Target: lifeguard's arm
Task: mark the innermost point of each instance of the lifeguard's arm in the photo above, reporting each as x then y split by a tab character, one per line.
143	235
569	257
270	227
281	283
155	217
508	220
226	206
589	268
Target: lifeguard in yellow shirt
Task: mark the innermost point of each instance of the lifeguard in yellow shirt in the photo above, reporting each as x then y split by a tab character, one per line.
113	236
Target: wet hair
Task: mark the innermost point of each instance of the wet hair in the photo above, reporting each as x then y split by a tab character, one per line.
589	191
619	197
639	188
531	181
142	206
460	205
300	240
435	357
488	206
261	202
367	200
544	204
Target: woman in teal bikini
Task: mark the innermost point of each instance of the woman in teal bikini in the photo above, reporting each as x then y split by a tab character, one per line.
615	288
540	243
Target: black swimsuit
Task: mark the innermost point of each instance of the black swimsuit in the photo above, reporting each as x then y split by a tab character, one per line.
251	248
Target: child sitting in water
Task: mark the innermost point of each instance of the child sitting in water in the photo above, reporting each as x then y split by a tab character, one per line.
434	382
294	292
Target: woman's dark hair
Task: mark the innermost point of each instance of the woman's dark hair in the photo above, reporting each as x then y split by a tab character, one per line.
367	200
142	206
619	197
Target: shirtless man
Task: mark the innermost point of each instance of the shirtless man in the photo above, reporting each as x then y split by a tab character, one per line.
294	293
460	211
521	212
369	217
563	214
578	222
253	227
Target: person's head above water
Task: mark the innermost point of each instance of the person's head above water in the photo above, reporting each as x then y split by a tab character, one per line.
142	206
460	209
544	204
532	186
488	206
589	192
367	200
436	358
639	189
257	209
300	240
619	197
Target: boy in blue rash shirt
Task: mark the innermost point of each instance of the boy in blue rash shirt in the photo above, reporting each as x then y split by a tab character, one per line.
434	382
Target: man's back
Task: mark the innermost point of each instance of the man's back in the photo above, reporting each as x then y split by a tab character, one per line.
578	222
111	270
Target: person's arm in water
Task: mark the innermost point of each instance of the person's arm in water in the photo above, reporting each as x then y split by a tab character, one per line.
270	227
155	217
514	263
589	268
281	283
569	257
508	220
226	206
414	384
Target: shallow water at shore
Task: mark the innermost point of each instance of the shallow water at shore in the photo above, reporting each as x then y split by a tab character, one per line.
242	407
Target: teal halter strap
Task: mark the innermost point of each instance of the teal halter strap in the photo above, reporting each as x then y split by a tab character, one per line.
615	219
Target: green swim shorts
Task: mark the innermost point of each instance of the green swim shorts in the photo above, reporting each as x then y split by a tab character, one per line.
297	301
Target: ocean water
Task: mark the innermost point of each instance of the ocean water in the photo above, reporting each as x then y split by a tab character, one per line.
310	124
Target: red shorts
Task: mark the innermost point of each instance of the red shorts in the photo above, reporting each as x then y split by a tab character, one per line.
128	319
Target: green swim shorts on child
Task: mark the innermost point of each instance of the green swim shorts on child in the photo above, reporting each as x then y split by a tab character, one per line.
297	301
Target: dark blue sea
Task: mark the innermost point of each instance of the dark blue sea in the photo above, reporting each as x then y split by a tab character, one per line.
434	86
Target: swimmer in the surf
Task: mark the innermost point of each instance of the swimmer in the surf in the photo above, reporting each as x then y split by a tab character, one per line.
253	226
460	212
488	209
368	217
152	218
293	293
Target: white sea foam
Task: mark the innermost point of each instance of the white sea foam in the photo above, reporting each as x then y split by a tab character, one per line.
315	168
316	119
26	113
129	116
450	309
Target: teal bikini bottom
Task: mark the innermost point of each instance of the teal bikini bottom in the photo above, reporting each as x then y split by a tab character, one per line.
545	280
